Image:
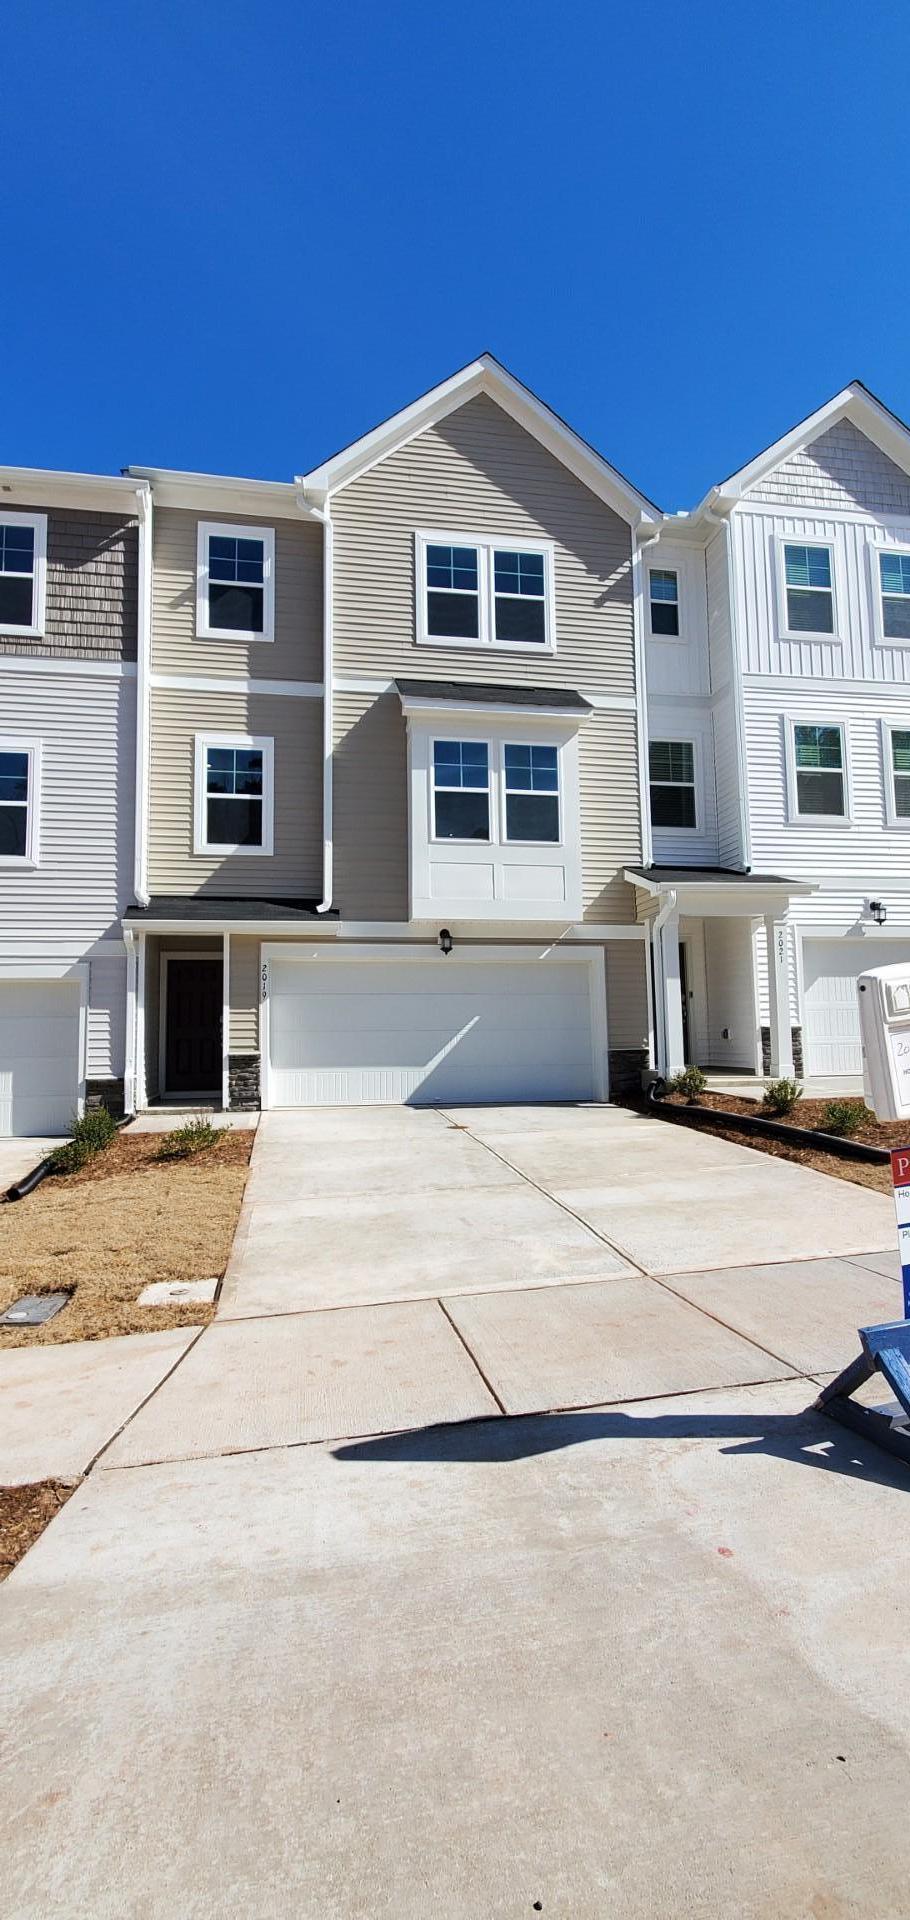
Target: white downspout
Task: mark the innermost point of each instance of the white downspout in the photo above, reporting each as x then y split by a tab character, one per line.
328	699
736	684
657	925
143	697
641	689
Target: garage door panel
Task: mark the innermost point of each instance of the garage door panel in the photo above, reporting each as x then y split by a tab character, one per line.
378	1032
39	1056
831	1011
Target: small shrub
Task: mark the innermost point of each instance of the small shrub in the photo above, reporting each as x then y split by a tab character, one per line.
92	1132
780	1096
843	1117
195	1136
691	1082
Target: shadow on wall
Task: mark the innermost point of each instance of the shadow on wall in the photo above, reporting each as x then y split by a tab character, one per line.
807	1438
371	810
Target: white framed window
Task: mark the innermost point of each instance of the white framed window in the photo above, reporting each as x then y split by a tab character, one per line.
892	594
234	799
461	790
663	600
807	587
818	776
671	775
531	788
474	590
235	582
23	572
896	761
20	799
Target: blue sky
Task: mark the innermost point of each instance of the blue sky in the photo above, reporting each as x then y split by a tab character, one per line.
236	237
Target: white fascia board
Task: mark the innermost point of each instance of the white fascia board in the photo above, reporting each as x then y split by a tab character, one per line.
204	491
44	487
509	710
485	375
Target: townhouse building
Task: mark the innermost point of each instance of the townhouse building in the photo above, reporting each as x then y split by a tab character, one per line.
778	671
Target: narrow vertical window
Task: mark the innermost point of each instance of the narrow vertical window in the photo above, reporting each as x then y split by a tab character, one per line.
809	589
236	583
900	771
22	551
671	766
664	599
818	752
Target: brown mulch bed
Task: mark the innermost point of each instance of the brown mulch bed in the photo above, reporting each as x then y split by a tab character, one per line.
809	1113
125	1220
24	1513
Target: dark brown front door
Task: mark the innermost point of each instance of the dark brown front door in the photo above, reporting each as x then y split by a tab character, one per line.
192	1053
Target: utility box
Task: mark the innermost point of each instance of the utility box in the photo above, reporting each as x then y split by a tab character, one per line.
884	1018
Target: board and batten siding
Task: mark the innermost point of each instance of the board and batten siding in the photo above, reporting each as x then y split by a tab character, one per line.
92	575
295	726
477	471
296	651
856	652
678	663
86	727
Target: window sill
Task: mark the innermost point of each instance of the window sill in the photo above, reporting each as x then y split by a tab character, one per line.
231	633
829	639
20	860
819	820
223	853
22	633
532	649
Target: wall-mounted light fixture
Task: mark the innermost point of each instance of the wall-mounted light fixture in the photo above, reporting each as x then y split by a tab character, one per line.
445	940
878	911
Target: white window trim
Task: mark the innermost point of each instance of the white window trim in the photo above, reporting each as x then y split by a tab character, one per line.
794	817
672	639
38	523
679	740
785	632
233	531
266	746
31	857
877	547
892	818
468	840
496	788
486	544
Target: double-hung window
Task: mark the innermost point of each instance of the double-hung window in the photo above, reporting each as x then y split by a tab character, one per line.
671	766
663	591
480	592
461	790
235	587
532	793
23	541
819	769
19	775
894	581
896	754
808	588
233	794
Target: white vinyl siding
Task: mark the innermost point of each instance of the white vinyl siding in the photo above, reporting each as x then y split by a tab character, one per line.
106	1017
819	850
859	651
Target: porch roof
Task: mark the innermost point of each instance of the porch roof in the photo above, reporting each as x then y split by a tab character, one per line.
218	911
656	878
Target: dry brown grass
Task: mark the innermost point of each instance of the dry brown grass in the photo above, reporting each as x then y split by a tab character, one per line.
125	1220
24	1513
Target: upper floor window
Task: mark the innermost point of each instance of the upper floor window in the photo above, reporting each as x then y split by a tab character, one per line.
819	771
23	540
896	756
532	793
894	577
808	588
663	583
475	592
235	586
18	802
234	794
671	767
461	790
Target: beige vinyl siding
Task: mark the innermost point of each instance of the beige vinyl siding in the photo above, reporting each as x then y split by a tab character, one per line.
244	993
371	807
295	725
92	573
296	651
610	815
477	471
627	994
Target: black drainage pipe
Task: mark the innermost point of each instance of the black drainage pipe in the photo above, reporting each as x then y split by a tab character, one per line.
30	1181
770	1129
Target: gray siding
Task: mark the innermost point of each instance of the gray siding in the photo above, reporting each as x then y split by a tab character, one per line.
92	573
627	994
295	725
244	993
106	1017
86	726
840	469
371	807
477	471
610	815
296	651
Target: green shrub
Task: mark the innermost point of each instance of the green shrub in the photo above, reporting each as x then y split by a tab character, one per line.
843	1117
780	1096
691	1082
195	1136
92	1132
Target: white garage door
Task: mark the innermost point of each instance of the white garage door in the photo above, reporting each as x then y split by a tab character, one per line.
39	1055
830	968
371	1032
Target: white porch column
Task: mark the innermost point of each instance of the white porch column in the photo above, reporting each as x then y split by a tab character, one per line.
777	935
139	1083
671	995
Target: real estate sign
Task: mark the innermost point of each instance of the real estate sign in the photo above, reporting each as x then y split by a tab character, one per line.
900	1178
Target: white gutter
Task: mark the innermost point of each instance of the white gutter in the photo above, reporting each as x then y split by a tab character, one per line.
323	513
657	925
143	697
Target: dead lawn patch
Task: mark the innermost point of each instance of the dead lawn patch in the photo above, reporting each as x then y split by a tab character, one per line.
24	1514
124	1220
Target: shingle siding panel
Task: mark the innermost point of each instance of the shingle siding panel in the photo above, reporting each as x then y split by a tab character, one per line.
839	469
92	576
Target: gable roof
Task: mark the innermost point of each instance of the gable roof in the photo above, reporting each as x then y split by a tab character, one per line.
854	403
486	375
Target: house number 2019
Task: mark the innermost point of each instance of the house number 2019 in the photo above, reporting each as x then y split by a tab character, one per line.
264	983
